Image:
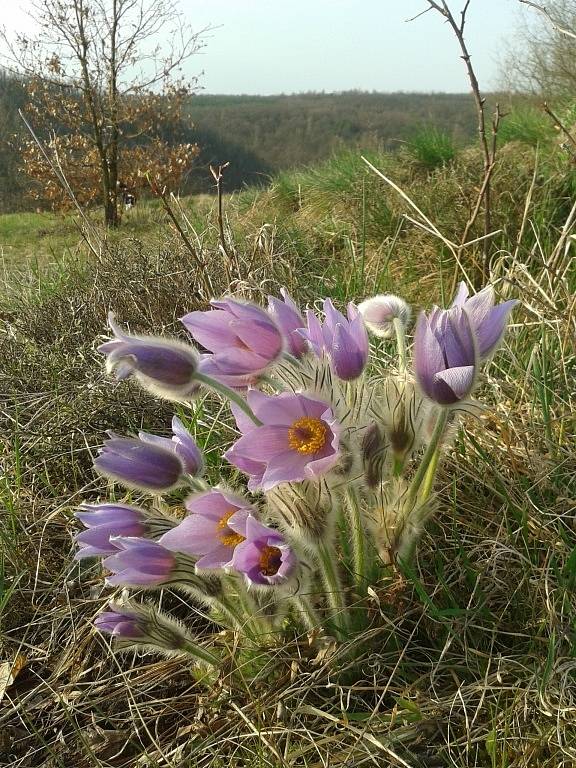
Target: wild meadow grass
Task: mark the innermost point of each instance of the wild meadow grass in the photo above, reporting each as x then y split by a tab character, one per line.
470	658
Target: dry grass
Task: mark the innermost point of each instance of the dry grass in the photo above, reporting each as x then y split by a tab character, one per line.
470	659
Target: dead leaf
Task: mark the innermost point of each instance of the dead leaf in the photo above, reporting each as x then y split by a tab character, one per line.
9	671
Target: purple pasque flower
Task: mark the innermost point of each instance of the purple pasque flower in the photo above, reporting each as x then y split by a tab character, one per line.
343	339
445	355
265	558
289	319
488	321
140	562
140	624
103	521
297	440
215	526
121	623
243	338
379	313
166	367
183	445
140	464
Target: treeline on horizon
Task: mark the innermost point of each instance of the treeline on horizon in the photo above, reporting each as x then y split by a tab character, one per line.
261	135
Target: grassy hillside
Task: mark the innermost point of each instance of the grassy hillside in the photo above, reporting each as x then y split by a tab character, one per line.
281	132
471	659
261	135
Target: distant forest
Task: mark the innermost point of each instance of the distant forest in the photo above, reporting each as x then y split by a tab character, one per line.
260	135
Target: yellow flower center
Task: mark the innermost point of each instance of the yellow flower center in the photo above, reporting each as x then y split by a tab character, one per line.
307	435
228	537
270	560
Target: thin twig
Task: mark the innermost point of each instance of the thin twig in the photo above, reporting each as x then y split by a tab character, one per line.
561	127
488	151
201	265
218	174
545	12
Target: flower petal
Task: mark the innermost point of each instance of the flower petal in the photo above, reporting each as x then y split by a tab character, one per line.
454	384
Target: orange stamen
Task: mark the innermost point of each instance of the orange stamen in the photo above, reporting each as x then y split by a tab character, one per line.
270	560
307	435
228	537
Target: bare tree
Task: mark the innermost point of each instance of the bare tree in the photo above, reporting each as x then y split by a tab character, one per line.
105	76
542	60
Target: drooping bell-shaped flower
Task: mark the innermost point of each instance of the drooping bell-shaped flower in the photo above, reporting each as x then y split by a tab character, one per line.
297	440
243	338
141	464
488	321
144	562
182	444
166	367
289	319
121	623
215	526
343	339
107	520
140	624
445	355
379	313
265	557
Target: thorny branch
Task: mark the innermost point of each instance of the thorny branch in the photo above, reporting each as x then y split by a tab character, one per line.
488	148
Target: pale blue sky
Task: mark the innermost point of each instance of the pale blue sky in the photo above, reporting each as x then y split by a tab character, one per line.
274	46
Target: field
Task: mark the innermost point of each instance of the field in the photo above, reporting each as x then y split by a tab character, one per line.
471	660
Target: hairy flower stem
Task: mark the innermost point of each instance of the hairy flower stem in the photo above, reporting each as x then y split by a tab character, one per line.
400	329
430	474
241	609
359	544
256	625
228	393
307	613
430	459
229	613
202	655
334	591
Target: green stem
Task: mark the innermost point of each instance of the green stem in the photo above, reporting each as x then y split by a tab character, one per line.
203	655
430	474
234	619
334	591
358	539
421	488
229	393
430	458
307	612
400	329
243	610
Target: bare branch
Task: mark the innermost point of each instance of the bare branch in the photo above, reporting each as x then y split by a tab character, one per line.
488	151
545	12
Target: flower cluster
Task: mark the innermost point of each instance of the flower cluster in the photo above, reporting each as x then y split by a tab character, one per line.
340	448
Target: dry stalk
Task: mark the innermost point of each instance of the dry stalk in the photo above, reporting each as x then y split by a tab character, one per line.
488	148
562	128
202	272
